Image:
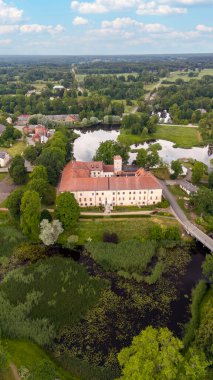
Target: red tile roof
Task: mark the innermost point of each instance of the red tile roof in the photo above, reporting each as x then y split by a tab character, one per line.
76	177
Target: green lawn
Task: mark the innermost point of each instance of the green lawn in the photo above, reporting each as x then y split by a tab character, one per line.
183	137
17	148
26	354
129	228
184	75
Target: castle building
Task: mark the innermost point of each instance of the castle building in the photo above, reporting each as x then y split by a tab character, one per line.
97	184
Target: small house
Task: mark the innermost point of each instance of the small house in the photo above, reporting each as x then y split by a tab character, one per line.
4	159
188	187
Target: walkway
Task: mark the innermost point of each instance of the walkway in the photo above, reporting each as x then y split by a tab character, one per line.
190	228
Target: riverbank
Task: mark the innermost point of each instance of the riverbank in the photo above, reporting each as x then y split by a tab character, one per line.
182	136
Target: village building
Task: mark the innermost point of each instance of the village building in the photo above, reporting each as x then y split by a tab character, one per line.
97	184
188	187
4	159
23	119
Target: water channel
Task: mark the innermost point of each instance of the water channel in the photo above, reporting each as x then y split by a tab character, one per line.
86	145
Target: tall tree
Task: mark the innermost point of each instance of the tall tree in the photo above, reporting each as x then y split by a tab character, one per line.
198	171
177	168
18	171
155	354
39	172
54	160
67	210
108	149
30	214
14	203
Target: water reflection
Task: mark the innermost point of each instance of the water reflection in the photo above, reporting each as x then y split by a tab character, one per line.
88	142
168	153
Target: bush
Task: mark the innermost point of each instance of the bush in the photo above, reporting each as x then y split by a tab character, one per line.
109	237
131	256
197	297
29	252
156	274
45	214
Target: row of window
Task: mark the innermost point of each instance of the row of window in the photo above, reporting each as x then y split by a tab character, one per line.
121	204
120	193
120	199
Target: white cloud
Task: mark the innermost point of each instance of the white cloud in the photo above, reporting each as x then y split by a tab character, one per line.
120	23
154	8
103	6
204	28
38	28
6	29
9	13
144	7
5	42
80	21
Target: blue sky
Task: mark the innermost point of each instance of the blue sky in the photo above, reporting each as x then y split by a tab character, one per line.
106	26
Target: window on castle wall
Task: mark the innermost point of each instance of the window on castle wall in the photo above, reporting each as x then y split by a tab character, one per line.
156	197
151	192
90	204
85	199
151	198
79	199
123	193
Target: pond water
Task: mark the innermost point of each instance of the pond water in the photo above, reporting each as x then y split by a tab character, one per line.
88	142
168	153
86	145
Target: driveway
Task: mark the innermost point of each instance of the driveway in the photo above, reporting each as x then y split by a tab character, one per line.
6	188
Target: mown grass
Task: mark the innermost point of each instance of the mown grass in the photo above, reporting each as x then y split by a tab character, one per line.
129	228
181	136
27	354
16	149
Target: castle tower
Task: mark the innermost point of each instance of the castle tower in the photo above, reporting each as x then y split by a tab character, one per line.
117	164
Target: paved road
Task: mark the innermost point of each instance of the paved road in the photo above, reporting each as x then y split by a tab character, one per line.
189	227
6	188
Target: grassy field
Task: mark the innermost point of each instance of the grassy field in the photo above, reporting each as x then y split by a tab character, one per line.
131	256
134	228
17	148
28	355
184	75
183	137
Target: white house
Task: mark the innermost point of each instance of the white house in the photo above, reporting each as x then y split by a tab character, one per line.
97	184
4	159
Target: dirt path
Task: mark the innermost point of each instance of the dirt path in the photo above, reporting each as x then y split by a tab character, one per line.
14	371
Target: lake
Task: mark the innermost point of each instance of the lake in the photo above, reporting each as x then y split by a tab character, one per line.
88	142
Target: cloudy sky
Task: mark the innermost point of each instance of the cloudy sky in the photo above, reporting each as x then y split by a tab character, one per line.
106	26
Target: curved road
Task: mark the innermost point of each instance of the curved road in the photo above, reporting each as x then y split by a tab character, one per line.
189	227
